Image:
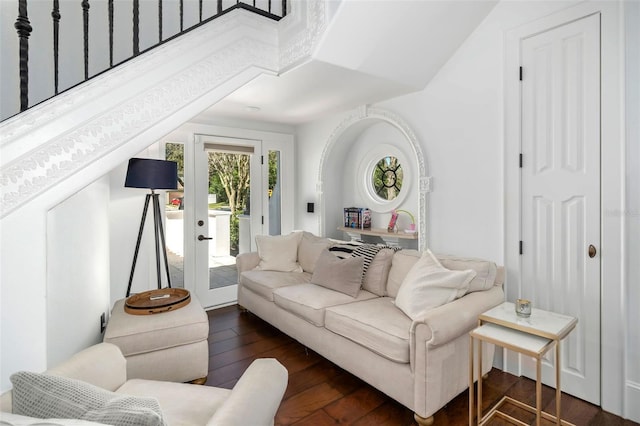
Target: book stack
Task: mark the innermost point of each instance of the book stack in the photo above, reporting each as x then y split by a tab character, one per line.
357	217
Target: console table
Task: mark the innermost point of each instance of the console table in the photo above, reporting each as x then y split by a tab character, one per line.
390	238
533	336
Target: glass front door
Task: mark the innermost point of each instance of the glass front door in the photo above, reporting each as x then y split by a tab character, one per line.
227	213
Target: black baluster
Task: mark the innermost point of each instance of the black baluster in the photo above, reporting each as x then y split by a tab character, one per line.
200	9
85	24
55	14
136	27
110	7
219	6
24	29
284	8
181	15
269	6
159	21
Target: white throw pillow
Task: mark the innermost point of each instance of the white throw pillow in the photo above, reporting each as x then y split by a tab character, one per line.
279	252
46	396
429	285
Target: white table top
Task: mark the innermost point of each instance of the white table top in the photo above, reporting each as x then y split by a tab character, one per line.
541	323
512	339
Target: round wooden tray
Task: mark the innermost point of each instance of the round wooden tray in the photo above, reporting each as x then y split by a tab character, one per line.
157	301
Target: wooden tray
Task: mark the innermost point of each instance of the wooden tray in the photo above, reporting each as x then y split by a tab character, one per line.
157	301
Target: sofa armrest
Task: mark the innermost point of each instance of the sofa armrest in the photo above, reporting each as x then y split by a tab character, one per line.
102	365
256	397
246	262
448	322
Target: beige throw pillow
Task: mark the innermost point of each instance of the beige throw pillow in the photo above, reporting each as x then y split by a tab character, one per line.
486	271
278	252
429	285
343	275
309	250
375	279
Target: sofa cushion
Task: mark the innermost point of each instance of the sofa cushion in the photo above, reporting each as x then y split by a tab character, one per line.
401	264
485	270
138	334
45	396
376	324
429	285
264	282
309	301
278	252
309	250
343	275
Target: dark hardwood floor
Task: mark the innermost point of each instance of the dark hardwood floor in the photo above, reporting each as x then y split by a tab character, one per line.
321	393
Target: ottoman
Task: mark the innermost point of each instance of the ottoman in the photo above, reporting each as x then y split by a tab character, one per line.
169	346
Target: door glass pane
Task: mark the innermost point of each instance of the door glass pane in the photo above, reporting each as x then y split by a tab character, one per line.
275	194
229	181
174	209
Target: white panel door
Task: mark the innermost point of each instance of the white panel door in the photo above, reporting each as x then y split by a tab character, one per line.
561	193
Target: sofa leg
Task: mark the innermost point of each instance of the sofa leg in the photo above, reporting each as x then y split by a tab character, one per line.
422	421
200	381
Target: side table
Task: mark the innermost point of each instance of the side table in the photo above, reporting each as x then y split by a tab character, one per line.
533	336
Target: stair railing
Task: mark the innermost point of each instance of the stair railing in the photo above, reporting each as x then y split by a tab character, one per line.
24	29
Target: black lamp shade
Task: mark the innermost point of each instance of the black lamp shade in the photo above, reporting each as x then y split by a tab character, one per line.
151	174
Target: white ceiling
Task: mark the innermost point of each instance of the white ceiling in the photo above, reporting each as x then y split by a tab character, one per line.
304	94
396	49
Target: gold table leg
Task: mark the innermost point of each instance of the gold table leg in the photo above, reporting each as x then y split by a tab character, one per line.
471	401
558	390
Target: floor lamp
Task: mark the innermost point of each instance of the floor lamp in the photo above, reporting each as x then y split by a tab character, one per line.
152	174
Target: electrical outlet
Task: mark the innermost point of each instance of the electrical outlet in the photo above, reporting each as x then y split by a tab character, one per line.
103	322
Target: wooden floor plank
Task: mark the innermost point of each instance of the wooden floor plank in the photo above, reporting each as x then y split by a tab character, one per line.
321	393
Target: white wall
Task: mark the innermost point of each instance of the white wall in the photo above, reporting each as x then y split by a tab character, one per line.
458	119
632	211
77	229
310	142
55	255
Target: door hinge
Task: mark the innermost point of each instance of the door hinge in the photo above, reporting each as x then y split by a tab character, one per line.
520	74
520	246
262	220
520	161
262	159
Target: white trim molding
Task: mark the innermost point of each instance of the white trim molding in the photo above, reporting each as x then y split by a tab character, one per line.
370	116
136	103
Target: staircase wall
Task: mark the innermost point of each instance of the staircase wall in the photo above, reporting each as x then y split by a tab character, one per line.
58	148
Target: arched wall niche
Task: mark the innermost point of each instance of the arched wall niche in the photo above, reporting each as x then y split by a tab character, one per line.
335	157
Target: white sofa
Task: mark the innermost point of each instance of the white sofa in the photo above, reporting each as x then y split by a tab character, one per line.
422	363
253	401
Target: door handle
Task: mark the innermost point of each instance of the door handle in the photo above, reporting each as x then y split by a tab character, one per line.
592	251
202	238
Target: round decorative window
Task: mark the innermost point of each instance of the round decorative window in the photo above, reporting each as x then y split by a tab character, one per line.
387	178
384	178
